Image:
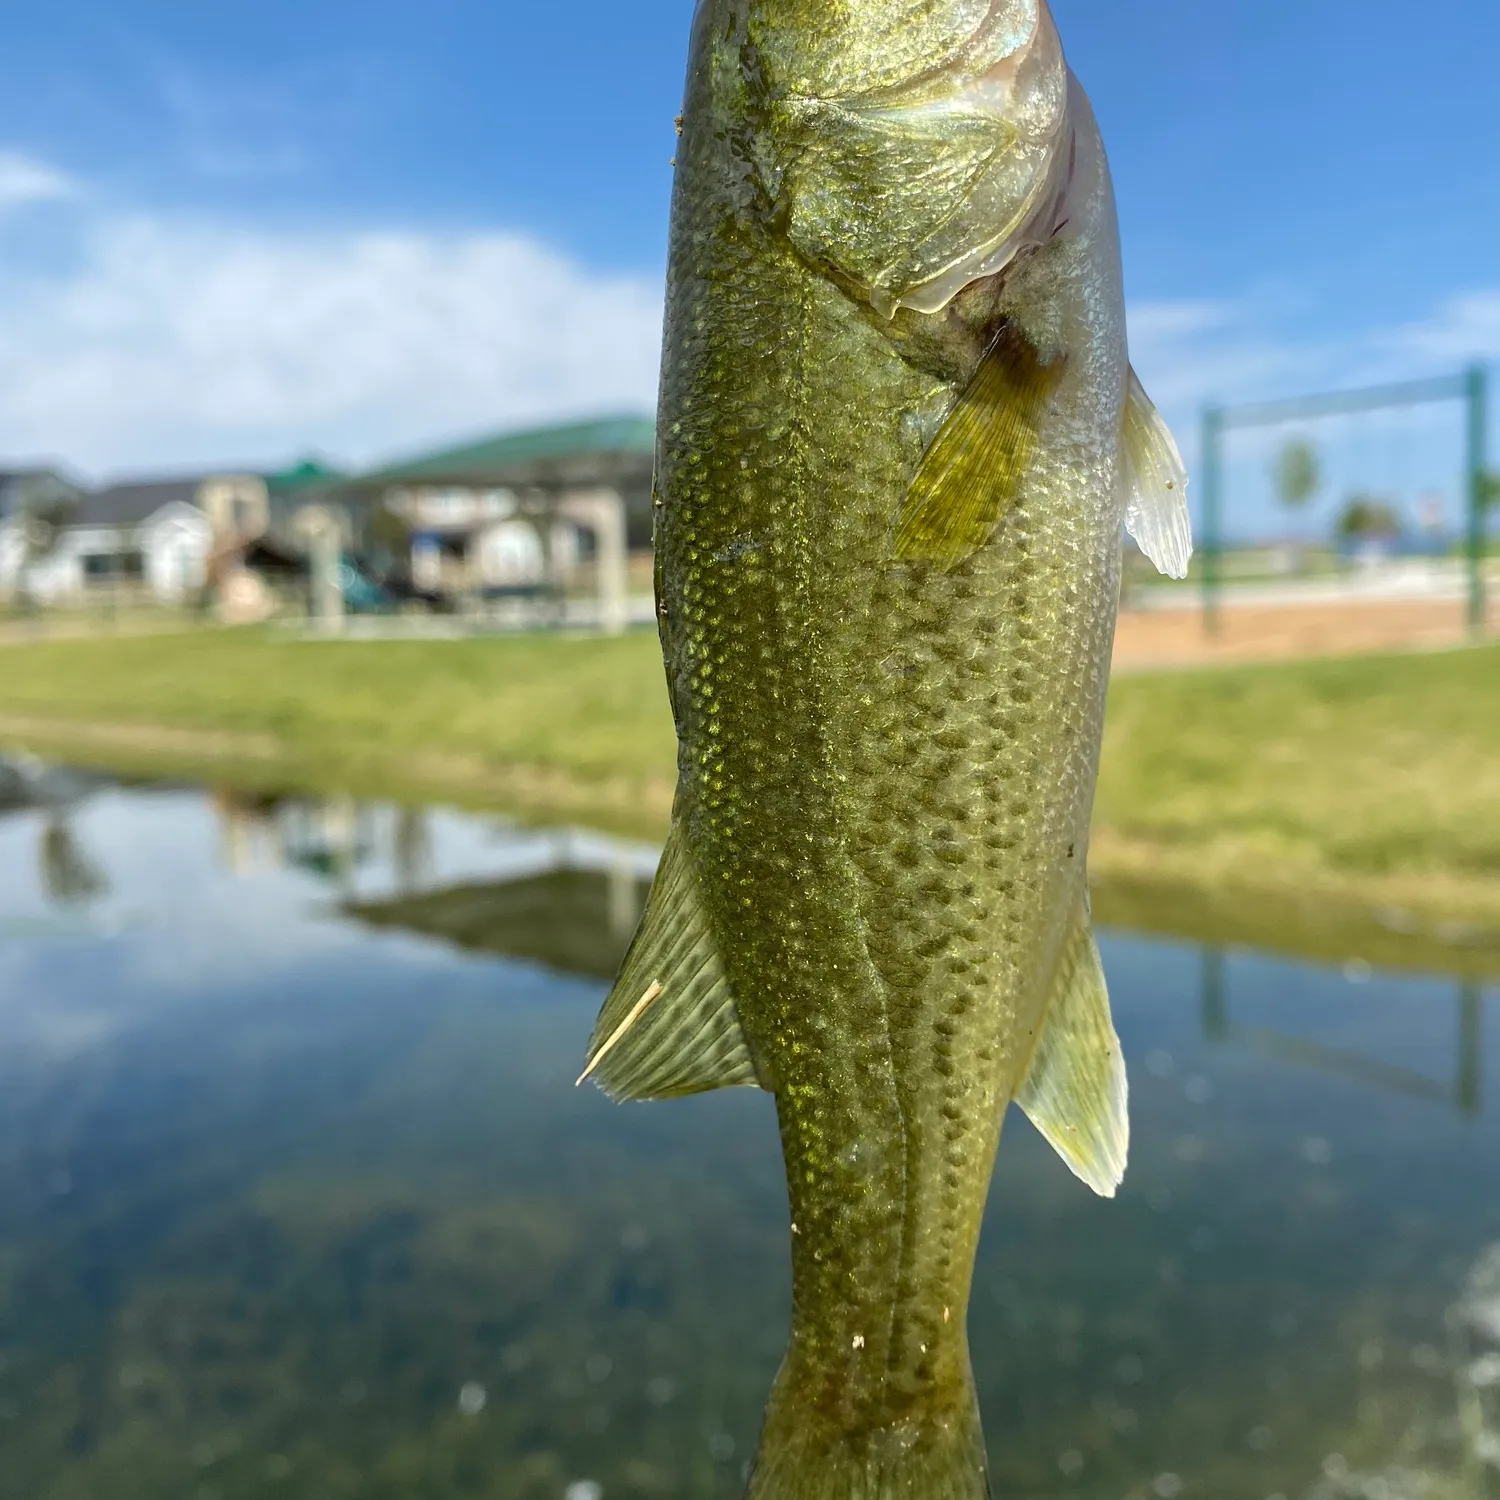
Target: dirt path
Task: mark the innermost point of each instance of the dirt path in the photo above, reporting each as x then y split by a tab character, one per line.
1267	632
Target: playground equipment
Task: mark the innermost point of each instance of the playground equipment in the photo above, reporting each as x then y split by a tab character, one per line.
1379	450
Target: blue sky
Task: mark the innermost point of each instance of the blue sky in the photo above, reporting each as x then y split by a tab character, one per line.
234	234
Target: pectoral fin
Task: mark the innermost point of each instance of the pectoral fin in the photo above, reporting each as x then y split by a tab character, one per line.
669	1026
1076	1093
1156	512
972	470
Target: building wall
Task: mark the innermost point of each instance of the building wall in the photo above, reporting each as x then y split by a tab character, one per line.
166	555
12	555
236	505
176	549
509	553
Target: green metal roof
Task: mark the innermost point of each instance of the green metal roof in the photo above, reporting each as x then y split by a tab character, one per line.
484	460
308	474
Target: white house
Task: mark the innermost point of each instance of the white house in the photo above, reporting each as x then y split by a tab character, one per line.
154	537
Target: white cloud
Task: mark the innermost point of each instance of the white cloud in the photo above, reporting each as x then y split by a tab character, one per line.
24	180
1260	348
1151	321
175	344
165	343
1463	328
1191	352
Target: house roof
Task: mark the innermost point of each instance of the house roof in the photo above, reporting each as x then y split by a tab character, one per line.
576	452
36	471
20	487
310	474
130	504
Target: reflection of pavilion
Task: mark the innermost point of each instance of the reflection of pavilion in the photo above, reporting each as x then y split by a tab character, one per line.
576	912
327	836
567	899
330	836
1465	1092
249	835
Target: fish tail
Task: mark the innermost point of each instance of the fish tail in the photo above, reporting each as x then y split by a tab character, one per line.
938	1455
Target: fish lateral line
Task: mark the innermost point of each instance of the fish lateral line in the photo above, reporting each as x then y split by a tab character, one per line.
653	992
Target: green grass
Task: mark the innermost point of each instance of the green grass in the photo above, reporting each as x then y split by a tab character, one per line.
561	720
1366	766
1371	781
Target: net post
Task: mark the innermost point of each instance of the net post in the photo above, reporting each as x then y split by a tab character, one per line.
1213	429
1476	400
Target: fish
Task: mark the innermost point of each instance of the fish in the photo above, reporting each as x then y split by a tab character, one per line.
898	441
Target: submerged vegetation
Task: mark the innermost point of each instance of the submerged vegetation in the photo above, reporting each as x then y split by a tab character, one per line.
1367	785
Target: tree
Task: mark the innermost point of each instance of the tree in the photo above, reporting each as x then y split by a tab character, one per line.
1297	473
42	518
1365	518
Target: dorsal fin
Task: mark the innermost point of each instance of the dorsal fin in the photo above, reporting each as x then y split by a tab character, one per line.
1156	512
669	1026
1076	1093
972	470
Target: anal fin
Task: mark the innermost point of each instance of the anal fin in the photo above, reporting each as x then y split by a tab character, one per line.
669	1026
1156	511
1076	1092
971	472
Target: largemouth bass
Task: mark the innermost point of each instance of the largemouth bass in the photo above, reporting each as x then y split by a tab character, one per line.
898	439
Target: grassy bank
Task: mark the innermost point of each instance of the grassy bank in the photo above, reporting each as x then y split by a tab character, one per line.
563	727
1366	789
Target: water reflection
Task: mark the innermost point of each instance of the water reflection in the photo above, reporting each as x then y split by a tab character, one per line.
564	898
69	875
1465	1091
296	1197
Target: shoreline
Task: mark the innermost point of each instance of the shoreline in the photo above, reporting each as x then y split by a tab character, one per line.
1439	921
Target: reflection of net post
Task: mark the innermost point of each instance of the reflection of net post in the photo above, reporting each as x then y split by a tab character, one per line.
1469	1088
1213	1003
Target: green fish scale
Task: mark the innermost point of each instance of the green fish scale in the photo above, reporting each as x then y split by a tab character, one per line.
885	770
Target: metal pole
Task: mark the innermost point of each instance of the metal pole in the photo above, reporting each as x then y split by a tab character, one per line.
1476	394
1209	547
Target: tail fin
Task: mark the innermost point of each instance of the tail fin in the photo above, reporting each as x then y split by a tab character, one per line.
803	1457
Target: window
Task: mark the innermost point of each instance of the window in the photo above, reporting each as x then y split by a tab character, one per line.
98	567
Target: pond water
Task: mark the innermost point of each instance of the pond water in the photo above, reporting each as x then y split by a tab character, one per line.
297	1197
